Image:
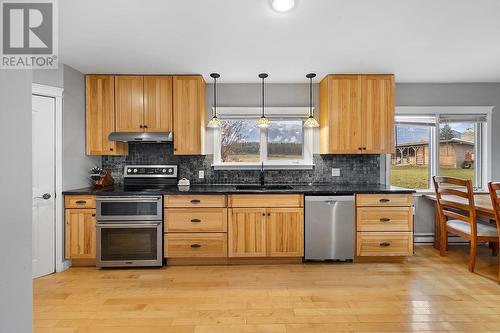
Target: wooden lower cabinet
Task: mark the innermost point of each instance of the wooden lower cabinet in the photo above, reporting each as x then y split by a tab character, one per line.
285	232
247	232
80	234
195	245
266	232
384	226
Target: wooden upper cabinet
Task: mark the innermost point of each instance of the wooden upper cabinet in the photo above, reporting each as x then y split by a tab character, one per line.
158	103
285	236
100	116
129	103
340	115
189	114
80	234
247	232
377	107
357	114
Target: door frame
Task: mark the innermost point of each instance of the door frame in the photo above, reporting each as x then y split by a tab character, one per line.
57	93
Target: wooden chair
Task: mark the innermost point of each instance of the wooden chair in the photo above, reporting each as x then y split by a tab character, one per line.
495	202
457	215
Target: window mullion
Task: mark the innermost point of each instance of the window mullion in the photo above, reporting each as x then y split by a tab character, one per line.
263	145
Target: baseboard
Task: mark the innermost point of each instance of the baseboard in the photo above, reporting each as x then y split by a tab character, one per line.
429	239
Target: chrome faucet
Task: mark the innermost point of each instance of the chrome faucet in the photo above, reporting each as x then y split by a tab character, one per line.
261	177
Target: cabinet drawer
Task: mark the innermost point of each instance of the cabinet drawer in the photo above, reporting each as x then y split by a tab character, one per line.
195	245
384	219
384	200
195	220
384	244
194	201
79	201
266	200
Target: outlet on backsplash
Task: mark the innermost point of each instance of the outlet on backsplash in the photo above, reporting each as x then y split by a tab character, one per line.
335	172
201	174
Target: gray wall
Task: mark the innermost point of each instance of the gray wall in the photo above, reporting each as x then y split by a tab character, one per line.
76	164
15	201
451	94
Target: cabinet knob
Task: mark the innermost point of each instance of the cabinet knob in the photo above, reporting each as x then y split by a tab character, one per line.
385	219
195	221
268	214
263	214
93	215
195	246
384	200
195	201
385	244
110	149
80	202
140	126
145	126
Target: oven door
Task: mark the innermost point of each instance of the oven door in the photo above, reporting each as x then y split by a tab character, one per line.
129	244
133	208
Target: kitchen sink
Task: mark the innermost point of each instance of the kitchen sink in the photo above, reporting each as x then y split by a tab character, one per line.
263	187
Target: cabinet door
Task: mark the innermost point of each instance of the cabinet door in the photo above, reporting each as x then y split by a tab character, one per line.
377	108
100	116
129	103
247	232
285	232
189	114
158	103
340	115
80	234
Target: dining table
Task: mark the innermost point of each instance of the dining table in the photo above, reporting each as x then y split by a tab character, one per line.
482	202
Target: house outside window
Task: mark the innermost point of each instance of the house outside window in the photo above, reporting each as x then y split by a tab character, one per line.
446	141
240	144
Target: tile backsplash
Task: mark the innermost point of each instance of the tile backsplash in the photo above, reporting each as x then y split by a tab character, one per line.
356	169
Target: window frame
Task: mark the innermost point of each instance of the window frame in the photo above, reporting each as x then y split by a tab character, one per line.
276	113
482	148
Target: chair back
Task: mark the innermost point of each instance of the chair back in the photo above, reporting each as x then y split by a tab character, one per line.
455	200
495	201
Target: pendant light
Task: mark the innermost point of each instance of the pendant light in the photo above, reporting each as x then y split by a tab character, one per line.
311	121
214	122
263	121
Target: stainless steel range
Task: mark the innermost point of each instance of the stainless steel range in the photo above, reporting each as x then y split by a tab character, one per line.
129	225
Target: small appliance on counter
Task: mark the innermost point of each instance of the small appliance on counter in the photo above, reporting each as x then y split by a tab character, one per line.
129	226
183	184
100	177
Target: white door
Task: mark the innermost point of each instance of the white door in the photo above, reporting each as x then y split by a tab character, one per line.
43	150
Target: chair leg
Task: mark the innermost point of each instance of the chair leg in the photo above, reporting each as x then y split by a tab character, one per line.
472	255
443	247
494	249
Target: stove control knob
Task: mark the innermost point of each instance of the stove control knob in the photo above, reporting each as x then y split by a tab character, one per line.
129	170
164	170
170	170
135	170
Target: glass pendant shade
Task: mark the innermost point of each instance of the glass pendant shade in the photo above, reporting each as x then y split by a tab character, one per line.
214	122
311	122
263	122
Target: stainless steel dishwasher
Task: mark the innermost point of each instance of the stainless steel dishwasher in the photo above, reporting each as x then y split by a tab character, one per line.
329	228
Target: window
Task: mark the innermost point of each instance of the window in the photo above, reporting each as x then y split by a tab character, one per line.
449	142
240	144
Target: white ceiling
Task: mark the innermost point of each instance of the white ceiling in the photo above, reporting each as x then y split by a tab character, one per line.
418	40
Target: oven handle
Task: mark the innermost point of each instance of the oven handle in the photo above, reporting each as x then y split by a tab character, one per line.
128	225
133	198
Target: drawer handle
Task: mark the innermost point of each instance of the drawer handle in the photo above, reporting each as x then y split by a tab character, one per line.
195	201
80	202
385	244
93	215
385	200
195	221
195	246
385	219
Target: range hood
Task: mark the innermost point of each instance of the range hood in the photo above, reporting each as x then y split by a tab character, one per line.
141	136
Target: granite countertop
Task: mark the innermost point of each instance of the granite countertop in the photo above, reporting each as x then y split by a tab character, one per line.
314	189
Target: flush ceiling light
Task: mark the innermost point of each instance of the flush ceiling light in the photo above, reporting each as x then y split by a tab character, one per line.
311	121
214	122
263	121
283	6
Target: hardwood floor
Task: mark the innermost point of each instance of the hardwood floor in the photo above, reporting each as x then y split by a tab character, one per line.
427	293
